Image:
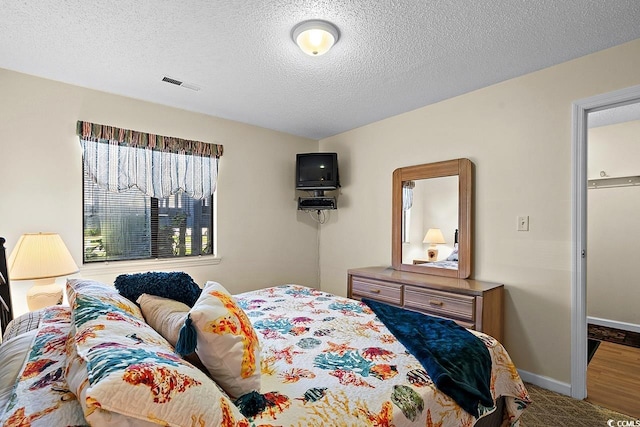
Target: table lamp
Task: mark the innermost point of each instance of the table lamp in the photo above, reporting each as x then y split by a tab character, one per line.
433	237
41	257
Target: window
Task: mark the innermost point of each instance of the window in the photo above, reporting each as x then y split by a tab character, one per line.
406	225
131	225
407	203
146	196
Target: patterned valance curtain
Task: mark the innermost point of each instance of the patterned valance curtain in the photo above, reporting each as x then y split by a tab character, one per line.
407	194
159	166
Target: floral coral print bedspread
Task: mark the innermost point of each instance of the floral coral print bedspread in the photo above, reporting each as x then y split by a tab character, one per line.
41	394
328	361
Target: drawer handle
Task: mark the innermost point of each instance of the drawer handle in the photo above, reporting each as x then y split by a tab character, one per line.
435	302
375	291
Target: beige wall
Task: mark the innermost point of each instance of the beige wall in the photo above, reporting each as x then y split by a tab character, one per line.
263	240
518	135
613	231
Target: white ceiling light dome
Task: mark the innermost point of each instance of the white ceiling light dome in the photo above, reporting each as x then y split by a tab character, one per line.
315	37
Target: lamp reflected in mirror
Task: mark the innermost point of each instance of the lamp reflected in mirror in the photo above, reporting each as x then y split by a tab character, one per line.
433	237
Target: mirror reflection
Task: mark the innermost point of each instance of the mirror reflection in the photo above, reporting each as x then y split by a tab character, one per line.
430	222
432	218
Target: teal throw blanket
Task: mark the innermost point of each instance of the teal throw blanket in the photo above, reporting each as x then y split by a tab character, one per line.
457	361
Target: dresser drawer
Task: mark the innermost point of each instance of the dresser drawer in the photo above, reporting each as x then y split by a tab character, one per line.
379	291
444	304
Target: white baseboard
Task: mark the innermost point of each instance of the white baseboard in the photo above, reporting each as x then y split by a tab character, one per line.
545	382
631	327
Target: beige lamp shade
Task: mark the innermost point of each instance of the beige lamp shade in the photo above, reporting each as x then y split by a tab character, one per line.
41	257
434	237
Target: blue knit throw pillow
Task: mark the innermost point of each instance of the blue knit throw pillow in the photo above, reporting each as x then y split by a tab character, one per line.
177	286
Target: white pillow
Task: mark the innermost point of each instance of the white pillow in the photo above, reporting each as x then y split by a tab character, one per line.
227	344
12	355
23	323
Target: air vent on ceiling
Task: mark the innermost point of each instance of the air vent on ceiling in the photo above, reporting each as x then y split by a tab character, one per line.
172	81
180	83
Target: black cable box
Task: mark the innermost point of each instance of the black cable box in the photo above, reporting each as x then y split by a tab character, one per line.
316	203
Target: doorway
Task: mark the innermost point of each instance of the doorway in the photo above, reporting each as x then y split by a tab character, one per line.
581	110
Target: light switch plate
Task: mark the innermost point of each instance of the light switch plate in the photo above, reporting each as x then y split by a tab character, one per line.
523	223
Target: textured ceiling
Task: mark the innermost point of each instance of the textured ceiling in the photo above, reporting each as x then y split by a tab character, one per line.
393	55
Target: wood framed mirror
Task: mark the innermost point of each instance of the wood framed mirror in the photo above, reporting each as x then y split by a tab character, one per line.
424	199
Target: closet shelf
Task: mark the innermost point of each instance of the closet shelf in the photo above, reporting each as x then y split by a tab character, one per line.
623	181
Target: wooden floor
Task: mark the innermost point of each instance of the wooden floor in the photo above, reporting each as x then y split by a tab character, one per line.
613	378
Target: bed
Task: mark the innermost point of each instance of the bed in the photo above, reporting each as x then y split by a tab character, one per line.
6	314
303	357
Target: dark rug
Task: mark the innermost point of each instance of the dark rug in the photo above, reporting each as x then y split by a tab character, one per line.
551	409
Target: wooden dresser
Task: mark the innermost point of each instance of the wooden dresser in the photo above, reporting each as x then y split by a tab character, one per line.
470	303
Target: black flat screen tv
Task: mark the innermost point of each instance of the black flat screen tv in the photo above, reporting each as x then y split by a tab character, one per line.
317	171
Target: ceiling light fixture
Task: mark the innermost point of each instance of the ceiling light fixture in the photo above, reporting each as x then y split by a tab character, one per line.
315	37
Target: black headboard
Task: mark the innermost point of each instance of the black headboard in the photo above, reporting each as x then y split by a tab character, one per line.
6	310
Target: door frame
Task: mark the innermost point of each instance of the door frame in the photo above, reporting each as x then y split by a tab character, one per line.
580	109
